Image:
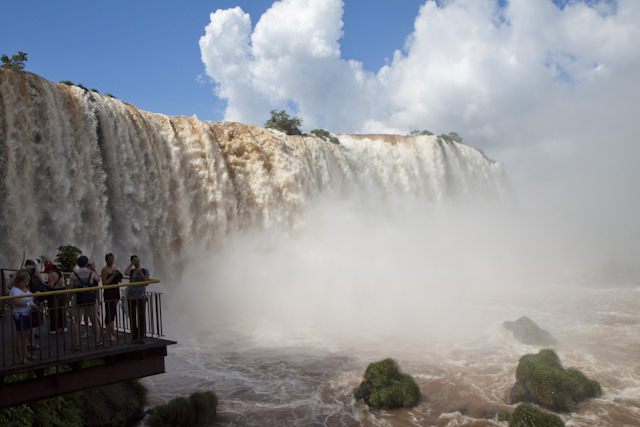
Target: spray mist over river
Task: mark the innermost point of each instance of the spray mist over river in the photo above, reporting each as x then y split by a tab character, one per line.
290	263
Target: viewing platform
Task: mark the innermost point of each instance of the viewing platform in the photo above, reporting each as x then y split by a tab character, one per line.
54	367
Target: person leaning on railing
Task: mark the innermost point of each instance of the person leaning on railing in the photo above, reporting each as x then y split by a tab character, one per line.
136	299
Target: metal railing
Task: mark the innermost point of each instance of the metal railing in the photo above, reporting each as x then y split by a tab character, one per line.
67	328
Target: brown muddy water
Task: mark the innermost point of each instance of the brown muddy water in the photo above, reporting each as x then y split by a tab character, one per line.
266	374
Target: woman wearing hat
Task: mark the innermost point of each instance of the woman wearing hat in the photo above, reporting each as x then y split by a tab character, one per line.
57	303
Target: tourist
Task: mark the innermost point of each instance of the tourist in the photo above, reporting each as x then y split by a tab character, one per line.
136	299
21	309
36	284
84	303
57	303
110	276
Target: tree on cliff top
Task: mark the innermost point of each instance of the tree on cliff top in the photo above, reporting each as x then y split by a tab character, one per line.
16	62
282	121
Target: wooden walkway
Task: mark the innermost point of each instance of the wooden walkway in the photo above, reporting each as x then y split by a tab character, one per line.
55	368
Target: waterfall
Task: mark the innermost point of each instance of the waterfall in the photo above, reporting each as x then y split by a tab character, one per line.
81	168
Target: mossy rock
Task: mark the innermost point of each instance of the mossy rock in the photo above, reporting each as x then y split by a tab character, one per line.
527	332
198	409
529	415
541	379
385	387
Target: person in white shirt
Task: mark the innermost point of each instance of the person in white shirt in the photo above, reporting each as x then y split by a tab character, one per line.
21	309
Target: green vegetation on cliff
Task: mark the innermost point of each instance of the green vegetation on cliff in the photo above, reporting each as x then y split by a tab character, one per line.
15	62
280	120
325	135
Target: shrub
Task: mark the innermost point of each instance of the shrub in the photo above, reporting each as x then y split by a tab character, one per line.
16	62
455	136
57	411
282	121
325	136
417	132
67	257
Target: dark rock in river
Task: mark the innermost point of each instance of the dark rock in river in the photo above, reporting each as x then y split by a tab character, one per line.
384	386
541	379
527	332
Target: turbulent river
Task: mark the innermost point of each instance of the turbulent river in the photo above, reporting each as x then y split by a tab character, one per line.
290	263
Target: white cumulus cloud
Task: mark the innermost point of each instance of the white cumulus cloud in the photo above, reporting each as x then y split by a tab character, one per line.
472	66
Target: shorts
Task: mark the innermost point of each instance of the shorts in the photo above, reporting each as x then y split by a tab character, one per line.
22	322
83	309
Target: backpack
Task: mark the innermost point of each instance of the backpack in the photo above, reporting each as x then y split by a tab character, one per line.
35	284
86	297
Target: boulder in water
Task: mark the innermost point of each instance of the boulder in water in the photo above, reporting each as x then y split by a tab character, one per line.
527	332
385	387
527	414
541	379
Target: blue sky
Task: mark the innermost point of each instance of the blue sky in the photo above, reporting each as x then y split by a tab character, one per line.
147	52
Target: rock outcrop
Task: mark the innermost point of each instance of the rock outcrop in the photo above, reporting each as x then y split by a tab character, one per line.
541	379
527	332
385	387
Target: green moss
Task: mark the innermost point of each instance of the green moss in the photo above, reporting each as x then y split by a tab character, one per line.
580	387
382	373
504	416
541	379
198	409
386	387
528	415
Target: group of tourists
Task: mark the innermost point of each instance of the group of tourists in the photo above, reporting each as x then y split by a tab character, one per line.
82	305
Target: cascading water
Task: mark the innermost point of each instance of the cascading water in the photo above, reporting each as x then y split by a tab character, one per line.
290	263
81	168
